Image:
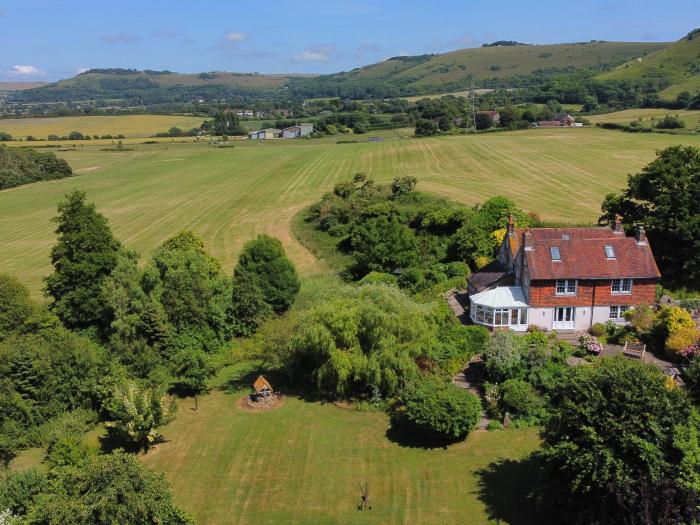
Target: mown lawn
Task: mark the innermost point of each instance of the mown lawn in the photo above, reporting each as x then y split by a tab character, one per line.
303	463
228	195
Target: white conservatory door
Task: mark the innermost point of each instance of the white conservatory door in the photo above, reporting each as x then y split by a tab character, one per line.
563	318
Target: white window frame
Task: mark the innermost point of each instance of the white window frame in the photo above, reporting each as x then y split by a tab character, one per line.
567	287
619	312
621	286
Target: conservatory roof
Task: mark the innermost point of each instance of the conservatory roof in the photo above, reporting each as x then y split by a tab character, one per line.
501	297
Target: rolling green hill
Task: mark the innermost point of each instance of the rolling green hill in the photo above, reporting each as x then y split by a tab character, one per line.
152	87
499	65
511	65
678	64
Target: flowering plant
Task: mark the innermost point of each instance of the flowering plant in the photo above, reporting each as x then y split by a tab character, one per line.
591	343
691	350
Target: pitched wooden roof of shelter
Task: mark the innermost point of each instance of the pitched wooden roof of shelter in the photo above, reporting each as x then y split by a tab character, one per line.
261	384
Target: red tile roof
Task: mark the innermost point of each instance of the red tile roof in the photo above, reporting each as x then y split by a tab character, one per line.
583	254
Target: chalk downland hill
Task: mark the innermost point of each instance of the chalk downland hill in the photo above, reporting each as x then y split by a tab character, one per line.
678	64
507	65
151	87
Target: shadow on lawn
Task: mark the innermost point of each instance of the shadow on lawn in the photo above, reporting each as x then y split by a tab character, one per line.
508	488
404	436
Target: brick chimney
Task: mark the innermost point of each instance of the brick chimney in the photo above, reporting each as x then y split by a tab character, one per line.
528	243
640	235
510	227
617	224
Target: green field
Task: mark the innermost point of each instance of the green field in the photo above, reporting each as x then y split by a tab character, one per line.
303	462
648	116
127	125
228	195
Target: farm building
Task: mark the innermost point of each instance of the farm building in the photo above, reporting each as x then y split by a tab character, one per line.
564	278
549	124
567	121
495	116
300	130
265	134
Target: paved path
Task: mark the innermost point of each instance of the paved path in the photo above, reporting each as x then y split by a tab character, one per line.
471	379
457	302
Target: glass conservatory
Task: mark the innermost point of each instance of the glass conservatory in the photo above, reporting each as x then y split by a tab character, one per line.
502	307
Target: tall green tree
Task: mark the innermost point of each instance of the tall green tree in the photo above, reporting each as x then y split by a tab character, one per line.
665	197
108	489
85	255
621	447
265	262
194	292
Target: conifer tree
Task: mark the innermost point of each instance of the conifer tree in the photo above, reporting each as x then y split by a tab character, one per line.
86	253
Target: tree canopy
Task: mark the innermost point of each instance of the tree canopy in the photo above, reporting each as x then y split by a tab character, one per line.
622	447
84	256
665	198
264	261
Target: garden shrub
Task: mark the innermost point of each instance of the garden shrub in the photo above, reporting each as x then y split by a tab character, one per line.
519	398
441	410
597	330
378	277
504	356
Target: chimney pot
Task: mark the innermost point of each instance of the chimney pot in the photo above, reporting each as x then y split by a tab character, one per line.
510	227
617	224
641	235
528	243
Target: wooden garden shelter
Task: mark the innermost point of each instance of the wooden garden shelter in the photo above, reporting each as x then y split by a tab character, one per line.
262	387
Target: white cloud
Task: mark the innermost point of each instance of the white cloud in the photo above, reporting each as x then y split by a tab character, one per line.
316	53
26	71
236	37
82	70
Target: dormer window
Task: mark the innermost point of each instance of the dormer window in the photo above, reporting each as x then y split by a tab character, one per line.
609	252
554	251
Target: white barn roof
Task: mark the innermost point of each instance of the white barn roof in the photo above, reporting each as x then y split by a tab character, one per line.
501	297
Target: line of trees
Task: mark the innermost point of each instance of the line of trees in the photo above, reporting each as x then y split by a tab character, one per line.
24	166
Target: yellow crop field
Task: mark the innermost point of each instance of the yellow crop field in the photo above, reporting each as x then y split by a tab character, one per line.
127	125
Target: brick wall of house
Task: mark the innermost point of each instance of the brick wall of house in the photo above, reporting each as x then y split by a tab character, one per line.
543	294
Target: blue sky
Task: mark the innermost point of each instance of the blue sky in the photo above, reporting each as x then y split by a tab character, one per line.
53	39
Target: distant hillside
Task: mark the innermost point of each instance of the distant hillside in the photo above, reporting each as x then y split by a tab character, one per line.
678	64
151	87
491	66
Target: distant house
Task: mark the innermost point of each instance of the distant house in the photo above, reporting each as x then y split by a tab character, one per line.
300	130
564	278
495	116
244	112
265	134
549	124
567	121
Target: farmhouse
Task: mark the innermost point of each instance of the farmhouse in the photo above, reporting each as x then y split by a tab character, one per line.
265	134
495	116
301	130
564	278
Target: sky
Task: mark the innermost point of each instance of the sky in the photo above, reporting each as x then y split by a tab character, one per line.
46	40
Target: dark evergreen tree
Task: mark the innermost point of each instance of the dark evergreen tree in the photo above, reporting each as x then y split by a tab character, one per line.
86	253
265	262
